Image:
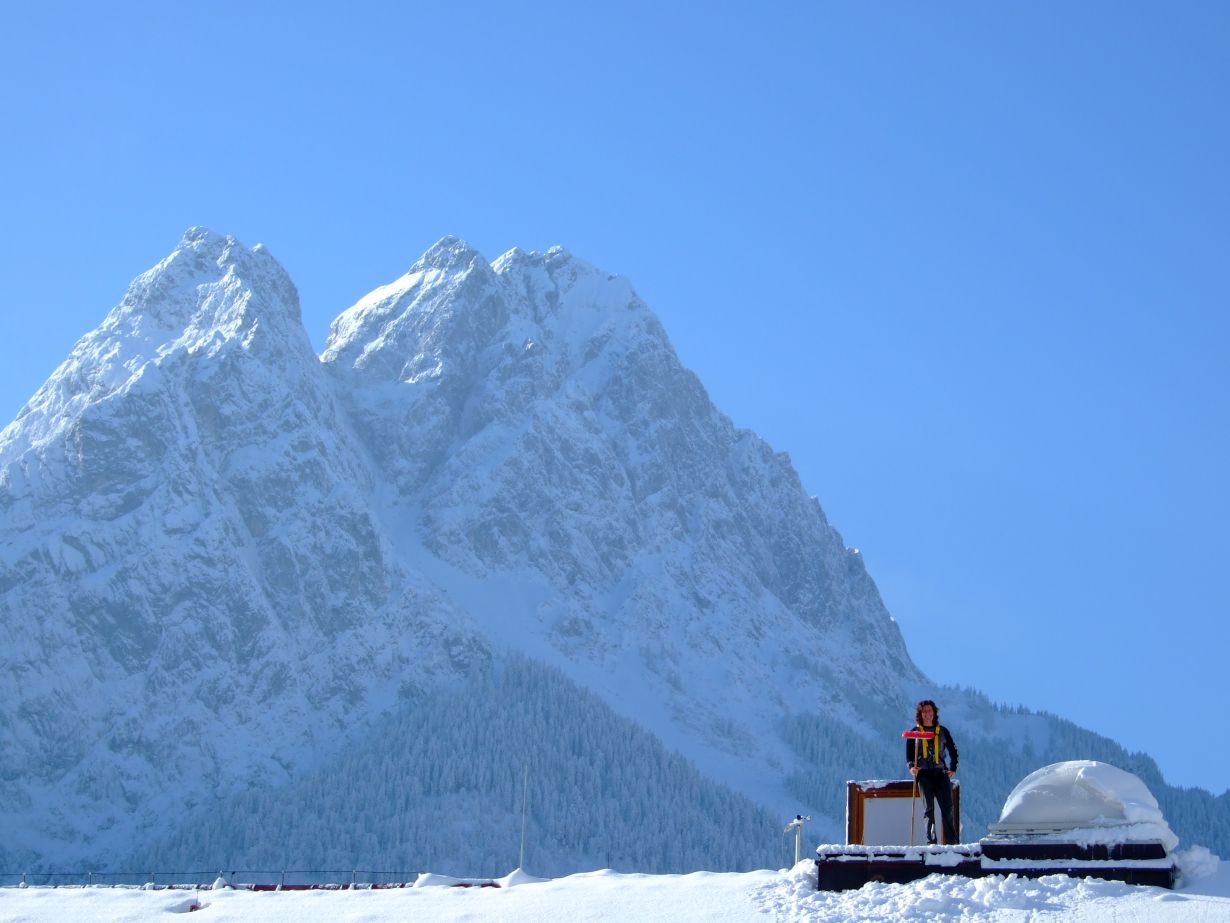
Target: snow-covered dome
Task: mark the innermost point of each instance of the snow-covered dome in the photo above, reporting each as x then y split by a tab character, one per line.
1087	799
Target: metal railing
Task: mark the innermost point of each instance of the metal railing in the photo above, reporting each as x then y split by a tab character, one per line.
252	879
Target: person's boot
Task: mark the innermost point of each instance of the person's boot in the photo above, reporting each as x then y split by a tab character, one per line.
930	830
950	832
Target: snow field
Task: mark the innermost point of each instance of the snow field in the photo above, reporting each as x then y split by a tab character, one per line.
785	895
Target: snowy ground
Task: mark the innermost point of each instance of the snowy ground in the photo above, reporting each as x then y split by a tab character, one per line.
785	895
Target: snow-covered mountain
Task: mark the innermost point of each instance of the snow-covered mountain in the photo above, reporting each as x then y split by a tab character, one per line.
544	456
225	562
188	544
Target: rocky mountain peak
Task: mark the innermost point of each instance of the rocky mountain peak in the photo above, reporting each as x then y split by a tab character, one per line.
208	295
171	292
448	254
434	316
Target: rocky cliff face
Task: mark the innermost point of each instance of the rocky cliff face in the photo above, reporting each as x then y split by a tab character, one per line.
223	557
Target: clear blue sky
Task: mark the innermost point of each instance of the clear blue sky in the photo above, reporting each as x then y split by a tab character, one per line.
968	263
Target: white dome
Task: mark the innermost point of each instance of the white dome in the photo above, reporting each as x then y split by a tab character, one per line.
1085	795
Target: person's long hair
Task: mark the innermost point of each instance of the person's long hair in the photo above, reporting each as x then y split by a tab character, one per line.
918	712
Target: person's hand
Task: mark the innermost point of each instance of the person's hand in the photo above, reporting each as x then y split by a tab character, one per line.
951	773
914	771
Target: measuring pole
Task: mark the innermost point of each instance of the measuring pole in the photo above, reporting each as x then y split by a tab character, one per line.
797	826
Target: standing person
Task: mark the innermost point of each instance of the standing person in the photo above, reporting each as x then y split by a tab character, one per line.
929	768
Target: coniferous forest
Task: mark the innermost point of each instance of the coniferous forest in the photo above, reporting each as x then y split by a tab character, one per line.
447	783
443	790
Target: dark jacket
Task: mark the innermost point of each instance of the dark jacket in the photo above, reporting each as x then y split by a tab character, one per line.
931	756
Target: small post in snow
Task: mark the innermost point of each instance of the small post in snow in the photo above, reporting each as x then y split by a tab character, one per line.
797	826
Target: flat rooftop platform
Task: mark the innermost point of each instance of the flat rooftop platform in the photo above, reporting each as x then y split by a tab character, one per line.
842	868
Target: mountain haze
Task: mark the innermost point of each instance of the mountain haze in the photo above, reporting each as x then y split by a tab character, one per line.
227	564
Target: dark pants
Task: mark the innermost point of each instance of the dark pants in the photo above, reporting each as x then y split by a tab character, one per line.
935	786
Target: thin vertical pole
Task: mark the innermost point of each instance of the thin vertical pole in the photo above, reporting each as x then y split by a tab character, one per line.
913	808
525	800
797	826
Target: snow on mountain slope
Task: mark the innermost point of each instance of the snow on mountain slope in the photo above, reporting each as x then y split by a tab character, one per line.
588	503
187	545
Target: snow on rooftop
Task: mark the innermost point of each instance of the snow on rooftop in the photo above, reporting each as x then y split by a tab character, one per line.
1089	799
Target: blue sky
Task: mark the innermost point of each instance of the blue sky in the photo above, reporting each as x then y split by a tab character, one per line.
968	263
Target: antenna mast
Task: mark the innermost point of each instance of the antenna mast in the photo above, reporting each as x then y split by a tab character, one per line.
525	803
